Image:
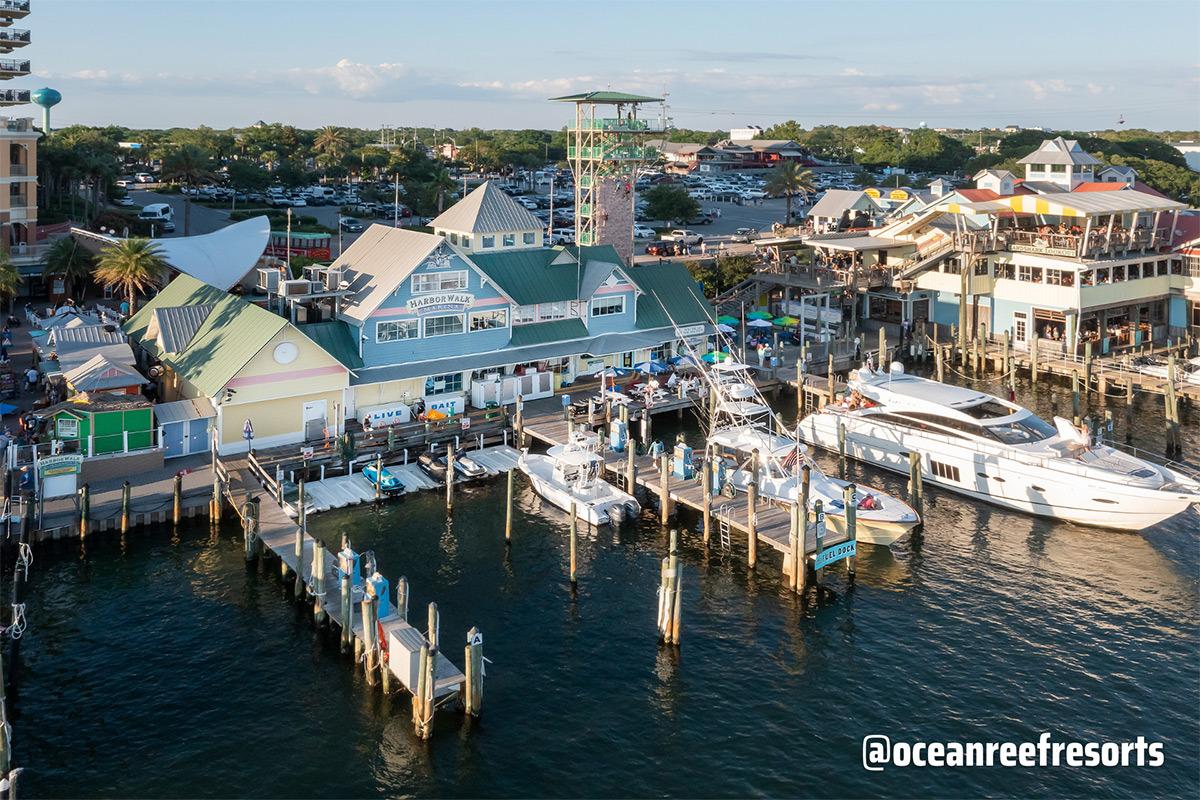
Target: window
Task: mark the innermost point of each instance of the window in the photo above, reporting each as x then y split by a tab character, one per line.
527	238
444	384
945	471
1005	269
487	320
454	238
443	326
981	267
489	241
552	311
1060	277
439	282
524	315
510	240
607	306
1022	431
466	240
660	353
1029	274
1059	169
395	330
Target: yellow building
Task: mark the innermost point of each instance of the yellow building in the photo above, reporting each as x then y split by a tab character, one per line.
18	192
252	365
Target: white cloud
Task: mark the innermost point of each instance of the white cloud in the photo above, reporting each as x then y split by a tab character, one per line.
882	107
853	72
1042	89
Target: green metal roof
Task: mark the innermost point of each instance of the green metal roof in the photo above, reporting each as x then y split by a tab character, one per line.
528	277
543	332
234	331
335	338
607	97
669	293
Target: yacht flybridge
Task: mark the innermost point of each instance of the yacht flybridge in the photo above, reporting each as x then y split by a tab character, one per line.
988	448
571	476
740	426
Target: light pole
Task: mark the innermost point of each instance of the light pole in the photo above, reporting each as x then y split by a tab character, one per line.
288	257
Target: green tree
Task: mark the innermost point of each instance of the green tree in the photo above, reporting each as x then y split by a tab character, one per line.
245	174
330	144
670	203
73	263
441	185
134	265
790	180
10	280
188	165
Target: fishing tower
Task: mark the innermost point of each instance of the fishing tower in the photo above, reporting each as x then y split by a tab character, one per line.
605	149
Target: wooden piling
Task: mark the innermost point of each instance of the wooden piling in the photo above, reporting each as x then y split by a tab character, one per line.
1007	349
574	536
795	546
449	478
429	704
508	509
882	348
473	669
347	613
85	510
841	435
1171	409
706	478
937	358
177	499
379	476
402	598
1128	410
1033	357
799	389
1075	410
830	377
418	701
916	482
126	490
630	469
298	548
663	616
214	507
851	529
664	490
677	587
433	622
802	531
318	584
752	521
370	608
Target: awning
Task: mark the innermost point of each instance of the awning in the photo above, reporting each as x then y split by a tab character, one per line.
857	243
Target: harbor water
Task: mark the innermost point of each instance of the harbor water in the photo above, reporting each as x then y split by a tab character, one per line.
161	666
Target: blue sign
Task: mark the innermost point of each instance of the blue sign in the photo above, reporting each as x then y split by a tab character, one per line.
248	430
835	553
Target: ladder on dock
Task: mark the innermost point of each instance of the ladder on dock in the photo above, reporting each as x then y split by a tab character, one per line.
723	527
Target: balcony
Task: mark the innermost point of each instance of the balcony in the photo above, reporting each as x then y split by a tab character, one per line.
13	9
12	39
11	68
612	153
618	124
14	97
18	171
1099	243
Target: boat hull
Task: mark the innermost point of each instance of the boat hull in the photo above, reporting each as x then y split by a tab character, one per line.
998	480
596	507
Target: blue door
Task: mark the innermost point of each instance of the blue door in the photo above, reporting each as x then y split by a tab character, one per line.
173	439
198	435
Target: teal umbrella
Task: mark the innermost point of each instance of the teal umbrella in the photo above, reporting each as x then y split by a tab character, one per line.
725	319
759	315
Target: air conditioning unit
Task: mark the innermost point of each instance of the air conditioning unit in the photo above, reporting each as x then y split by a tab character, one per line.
302	315
268	280
333	279
297	288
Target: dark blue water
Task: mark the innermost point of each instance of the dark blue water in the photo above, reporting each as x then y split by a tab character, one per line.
163	667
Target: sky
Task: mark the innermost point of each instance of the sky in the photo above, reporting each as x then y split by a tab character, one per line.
463	63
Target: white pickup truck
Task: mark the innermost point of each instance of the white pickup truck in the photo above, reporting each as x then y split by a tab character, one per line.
683	235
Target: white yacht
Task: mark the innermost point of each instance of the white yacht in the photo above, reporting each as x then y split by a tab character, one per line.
741	426
572	475
1187	370
994	450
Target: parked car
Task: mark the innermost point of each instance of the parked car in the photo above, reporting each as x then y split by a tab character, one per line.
683	235
744	235
351	225
643	232
144	177
660	249
124	183
125	202
297	202
560	236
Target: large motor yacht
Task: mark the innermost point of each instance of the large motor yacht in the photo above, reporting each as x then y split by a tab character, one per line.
990	449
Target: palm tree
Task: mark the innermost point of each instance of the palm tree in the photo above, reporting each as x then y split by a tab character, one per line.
10	280
70	261
188	165
789	181
134	265
441	184
331	144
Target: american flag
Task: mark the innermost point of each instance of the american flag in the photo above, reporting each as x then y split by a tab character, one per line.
792	459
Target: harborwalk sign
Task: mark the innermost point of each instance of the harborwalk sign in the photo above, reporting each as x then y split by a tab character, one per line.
441	302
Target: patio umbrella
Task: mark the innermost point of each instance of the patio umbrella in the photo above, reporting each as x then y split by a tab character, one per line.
723	328
758	323
651	367
725	319
785	322
757	315
685	361
714	356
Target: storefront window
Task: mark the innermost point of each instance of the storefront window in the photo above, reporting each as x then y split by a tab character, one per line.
607	306
439	282
443	326
489	320
524	315
444	384
396	330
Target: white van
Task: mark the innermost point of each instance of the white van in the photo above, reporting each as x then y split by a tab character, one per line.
160	214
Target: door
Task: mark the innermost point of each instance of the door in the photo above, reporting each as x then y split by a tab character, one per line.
314	419
1021	330
173	439
198	435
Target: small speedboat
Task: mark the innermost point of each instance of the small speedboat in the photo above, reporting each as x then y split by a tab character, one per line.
465	467
384	478
570	477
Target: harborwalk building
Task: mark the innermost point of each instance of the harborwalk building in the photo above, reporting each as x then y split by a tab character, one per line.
473	315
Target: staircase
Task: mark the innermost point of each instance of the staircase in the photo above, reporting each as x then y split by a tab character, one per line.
921	261
732	298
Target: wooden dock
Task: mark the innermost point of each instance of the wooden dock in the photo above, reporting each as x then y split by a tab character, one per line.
772	520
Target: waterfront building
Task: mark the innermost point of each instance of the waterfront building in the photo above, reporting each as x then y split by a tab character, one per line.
1060	163
249	364
18	149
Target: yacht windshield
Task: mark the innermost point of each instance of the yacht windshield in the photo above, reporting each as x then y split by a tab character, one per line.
1022	431
988	410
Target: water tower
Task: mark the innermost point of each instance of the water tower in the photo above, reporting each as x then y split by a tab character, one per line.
47	98
605	150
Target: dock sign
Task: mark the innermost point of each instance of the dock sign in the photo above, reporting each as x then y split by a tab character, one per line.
835	553
248	430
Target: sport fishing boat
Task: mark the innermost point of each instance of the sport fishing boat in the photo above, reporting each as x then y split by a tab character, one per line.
1186	370
571	477
991	449
740	427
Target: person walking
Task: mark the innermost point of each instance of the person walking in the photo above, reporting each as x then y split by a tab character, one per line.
31	375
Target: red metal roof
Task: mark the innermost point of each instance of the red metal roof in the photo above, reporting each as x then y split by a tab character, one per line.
1116	186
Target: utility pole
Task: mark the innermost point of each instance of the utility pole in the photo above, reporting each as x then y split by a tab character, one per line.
396	202
289	244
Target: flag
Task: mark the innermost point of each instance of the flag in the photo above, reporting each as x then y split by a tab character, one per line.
792	459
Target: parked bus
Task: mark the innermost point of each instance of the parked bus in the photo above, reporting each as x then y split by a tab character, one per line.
311	245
